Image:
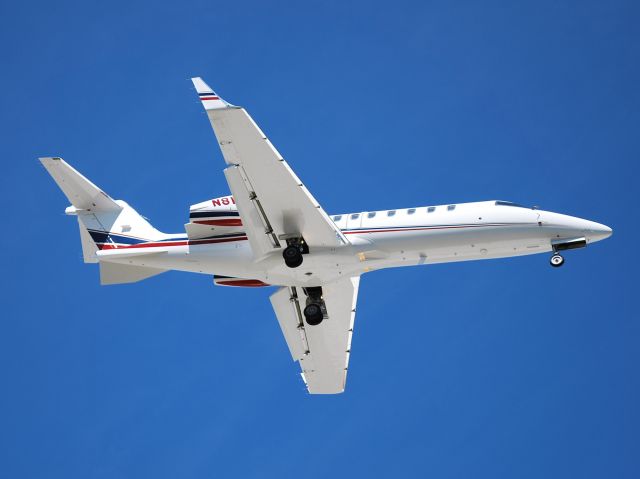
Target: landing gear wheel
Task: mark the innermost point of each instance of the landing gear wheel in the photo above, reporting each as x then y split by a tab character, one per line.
556	260
292	256
313	314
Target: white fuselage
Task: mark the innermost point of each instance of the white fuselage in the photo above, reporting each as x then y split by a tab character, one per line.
383	239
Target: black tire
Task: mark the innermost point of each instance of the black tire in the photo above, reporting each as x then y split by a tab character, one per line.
556	261
313	314
292	256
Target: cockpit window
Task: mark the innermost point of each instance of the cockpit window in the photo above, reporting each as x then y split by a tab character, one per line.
509	203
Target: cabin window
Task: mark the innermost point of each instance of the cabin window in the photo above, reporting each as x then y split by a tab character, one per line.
391	213
337	218
371	215
509	203
355	216
411	211
451	207
431	209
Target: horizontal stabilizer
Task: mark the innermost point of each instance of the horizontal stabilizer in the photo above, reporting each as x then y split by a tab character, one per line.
114	273
80	192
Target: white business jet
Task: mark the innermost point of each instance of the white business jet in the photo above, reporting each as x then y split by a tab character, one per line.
272	232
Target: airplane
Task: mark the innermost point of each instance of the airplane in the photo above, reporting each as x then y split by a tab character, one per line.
271	231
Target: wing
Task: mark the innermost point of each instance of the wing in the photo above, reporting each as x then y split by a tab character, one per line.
271	199
323	350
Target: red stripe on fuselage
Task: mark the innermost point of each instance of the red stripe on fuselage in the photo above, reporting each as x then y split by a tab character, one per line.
228	222
175	243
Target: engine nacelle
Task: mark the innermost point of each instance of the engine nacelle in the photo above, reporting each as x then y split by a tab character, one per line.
214	217
216	212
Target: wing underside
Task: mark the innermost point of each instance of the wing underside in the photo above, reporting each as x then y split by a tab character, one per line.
322	350
275	206
273	203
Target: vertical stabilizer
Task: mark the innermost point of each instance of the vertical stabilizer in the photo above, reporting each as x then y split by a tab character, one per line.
104	223
81	193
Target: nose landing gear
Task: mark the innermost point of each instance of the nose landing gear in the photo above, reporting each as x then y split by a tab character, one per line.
556	260
562	245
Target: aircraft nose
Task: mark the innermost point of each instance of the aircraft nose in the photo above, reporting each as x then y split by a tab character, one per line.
592	230
574	226
598	231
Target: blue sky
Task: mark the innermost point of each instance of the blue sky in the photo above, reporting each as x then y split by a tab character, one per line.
504	368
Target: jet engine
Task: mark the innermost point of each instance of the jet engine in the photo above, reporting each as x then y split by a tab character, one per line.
214	217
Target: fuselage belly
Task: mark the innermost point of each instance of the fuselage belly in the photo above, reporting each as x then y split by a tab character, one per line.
409	237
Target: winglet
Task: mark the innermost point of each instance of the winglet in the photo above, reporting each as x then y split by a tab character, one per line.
210	100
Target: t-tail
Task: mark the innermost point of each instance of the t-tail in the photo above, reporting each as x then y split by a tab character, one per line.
104	223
